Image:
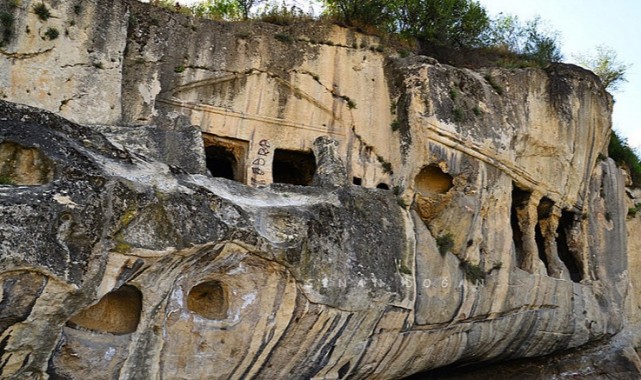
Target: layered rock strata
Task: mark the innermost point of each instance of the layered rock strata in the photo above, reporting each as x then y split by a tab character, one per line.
241	200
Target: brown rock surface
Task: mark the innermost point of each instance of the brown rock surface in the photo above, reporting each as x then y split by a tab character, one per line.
194	217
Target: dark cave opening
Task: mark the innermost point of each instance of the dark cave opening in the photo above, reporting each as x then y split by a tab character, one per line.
293	167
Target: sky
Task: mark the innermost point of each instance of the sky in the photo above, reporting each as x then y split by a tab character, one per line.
583	25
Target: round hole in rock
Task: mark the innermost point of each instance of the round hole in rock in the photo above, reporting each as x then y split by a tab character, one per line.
432	180
118	312
383	186
209	300
20	165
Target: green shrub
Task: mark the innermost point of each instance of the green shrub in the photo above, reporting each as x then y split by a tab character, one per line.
42	11
387	167
452	23
621	152
403	268
458	114
492	82
6	180
396	125
52	33
445	243
453	93
350	103
632	211
473	272
179	69
284	38
283	15
529	43
219	10
6	19
363	15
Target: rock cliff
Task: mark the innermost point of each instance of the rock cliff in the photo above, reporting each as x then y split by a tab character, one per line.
183	198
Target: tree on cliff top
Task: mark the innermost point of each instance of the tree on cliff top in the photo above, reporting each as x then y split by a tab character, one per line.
531	40
604	63
227	10
362	13
246	6
453	23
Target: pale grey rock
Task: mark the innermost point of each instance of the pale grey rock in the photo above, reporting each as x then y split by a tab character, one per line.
122	256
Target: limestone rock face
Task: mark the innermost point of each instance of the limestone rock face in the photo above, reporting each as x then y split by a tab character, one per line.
241	200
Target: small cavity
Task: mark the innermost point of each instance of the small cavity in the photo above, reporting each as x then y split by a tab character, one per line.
23	166
293	167
118	312
433	180
209	300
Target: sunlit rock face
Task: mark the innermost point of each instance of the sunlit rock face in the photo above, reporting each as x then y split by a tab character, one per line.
250	201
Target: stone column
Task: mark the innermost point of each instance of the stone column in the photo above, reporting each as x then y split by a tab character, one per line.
527	217
260	160
549	226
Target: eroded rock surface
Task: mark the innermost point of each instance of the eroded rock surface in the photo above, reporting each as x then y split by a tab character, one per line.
223	203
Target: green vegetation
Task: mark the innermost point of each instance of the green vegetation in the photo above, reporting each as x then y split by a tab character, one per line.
528	42
458	114
605	64
396	125
451	23
52	33
179	69
351	104
6	22
6	180
456	31
443	26
6	19
387	167
283	15
445	243
495	86
403	268
363	15
473	272
632	211
621	152
284	38
227	10
42	11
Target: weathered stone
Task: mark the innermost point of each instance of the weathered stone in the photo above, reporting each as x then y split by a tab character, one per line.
485	227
